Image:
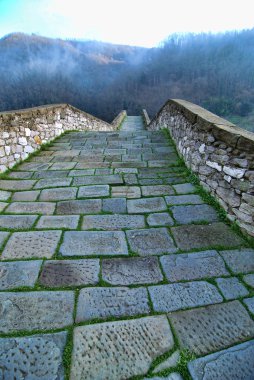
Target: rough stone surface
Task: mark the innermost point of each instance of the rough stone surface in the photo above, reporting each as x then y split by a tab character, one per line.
193	266
57	273
31	208
239	261
153	241
4	195
204	236
156	190
194	214
184	188
87	206
132	270
17	222
212	328
101	243
34	244
7	184
231	288
3	237
93	191
138	206
113	222
98	180
111	302
160	219
173	297
33	357
126	191
115	205
144	338
58	221
168	363
233	363
19	273
35	310
249	279
249	302
28	196
58	194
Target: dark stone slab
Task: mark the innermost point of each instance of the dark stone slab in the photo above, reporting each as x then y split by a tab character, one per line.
173	297
126	348
112	222
194	214
115	205
233	363
249	302
98	180
58	194
249	280
33	244
35	310
157	190
239	260
87	206
213	327
84	243
153	241
131	271
144	205
17	222
231	288
19	273
59	273
33	357
111	302
205	236
193	266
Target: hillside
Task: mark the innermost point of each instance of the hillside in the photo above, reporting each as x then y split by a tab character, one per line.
215	71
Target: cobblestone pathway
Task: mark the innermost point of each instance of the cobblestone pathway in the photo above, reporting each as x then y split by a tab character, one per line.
113	267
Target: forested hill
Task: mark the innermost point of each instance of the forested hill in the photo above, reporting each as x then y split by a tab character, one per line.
215	71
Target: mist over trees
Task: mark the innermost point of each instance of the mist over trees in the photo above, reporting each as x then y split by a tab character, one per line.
214	71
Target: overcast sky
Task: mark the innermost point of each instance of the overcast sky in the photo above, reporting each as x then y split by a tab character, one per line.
132	22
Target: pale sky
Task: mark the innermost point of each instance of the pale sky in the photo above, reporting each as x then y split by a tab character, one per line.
132	22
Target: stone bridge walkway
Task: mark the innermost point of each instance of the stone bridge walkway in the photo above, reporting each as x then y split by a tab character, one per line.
113	267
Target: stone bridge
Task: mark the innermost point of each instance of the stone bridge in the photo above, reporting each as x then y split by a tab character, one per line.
116	263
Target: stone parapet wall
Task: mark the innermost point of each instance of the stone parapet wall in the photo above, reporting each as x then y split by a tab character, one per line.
23	131
146	117
218	152
119	119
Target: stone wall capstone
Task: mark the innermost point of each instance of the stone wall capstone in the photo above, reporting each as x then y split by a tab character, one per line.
119	119
24	131
218	152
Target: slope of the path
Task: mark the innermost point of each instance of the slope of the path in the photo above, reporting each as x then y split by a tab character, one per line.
110	259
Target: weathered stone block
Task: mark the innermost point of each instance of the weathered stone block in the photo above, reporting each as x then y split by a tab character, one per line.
145	205
231	288
113	222
239	261
93	191
19	273
194	213
31	208
76	207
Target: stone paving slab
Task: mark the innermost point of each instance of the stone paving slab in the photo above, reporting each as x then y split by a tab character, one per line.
212	328
17	222
31	208
131	271
160	219
4	195
249	280
112	222
93	191
63	165
7	184
173	297
47	174
231	288
239	261
205	236
19	273
58	194
35	310
33	244
3	205
193	266
126	348
61	273
194	213
104	302
126	191
33	357
114	205
156	190
185	188
233	363
58	221
145	205
77	173
52	182
28	196
98	180
152	241
87	206
170	362
249	302
101	243
33	166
